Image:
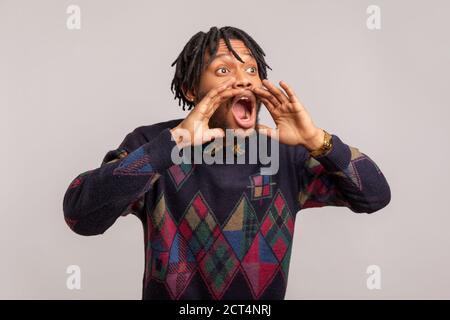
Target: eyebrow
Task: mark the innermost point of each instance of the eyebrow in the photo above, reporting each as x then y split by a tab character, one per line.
229	55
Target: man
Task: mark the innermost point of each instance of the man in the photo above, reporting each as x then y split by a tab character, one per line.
222	231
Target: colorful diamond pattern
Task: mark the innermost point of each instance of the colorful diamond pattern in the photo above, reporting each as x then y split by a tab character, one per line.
136	163
199	227
179	174
260	265
199	244
285	263
317	190
161	232
278	226
182	265
219	266
242	226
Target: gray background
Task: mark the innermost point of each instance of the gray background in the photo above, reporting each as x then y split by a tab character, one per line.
68	97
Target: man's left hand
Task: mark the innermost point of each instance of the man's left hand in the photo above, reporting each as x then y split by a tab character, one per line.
293	122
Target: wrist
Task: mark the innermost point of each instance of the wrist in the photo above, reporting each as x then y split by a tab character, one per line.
316	142
326	147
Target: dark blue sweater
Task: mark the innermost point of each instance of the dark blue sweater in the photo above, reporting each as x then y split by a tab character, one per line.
220	231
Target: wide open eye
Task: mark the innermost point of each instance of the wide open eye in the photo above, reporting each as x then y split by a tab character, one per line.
221	69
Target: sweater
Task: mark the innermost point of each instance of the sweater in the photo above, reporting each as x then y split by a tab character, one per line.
217	231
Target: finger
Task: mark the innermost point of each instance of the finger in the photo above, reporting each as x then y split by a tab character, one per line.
228	93
215	102
264	93
289	91
275	91
223	86
206	100
270	107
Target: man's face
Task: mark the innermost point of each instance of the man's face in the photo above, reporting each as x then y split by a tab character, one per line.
234	113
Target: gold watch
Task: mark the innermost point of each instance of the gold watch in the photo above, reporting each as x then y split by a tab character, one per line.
326	146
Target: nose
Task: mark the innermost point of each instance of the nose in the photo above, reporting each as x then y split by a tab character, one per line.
242	81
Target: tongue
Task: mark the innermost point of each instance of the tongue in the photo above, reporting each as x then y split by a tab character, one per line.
240	110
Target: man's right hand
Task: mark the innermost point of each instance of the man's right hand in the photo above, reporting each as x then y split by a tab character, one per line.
194	129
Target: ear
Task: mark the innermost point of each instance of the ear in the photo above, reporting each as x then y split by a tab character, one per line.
188	94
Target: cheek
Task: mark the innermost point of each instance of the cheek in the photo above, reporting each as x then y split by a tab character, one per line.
209	81
223	111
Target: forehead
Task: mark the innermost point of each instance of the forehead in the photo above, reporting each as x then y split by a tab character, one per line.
237	45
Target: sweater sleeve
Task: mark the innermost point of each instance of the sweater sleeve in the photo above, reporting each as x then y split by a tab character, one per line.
96	198
344	176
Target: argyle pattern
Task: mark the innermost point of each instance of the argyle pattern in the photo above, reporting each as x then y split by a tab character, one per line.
278	226
199	244
218	266
241	228
216	232
182	265
161	233
199	227
180	173
319	190
136	163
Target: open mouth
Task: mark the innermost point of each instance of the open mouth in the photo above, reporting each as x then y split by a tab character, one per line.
243	108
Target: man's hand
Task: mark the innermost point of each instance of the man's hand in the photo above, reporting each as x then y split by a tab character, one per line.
291	118
194	129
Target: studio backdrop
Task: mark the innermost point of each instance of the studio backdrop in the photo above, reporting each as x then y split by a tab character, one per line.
77	76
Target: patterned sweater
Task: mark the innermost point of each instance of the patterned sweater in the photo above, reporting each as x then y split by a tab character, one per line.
220	231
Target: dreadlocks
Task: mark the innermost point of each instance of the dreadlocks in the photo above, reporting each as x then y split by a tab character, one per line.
190	61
